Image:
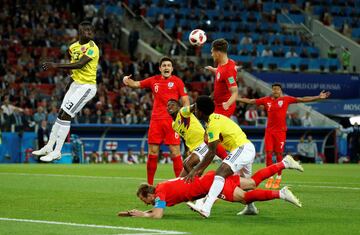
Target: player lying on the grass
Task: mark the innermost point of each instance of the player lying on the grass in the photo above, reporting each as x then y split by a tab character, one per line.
190	129
175	191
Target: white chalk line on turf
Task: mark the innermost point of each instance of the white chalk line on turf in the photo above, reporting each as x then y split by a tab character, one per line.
327	187
152	231
76	176
301	184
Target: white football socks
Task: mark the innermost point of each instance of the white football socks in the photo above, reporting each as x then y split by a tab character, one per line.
53	133
216	188
64	128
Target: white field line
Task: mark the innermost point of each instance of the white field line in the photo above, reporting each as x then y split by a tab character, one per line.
152	231
301	184
76	176
327	187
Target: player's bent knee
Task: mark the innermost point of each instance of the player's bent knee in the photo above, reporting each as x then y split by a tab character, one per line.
252	185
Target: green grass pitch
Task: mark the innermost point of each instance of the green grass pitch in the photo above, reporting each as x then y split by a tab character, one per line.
84	199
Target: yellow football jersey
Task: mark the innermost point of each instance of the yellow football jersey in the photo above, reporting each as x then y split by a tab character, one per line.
189	128
220	127
87	74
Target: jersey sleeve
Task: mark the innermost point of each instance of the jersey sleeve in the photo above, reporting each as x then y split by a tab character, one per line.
185	111
291	99
213	132
159	203
181	88
261	101
146	83
160	197
230	78
92	51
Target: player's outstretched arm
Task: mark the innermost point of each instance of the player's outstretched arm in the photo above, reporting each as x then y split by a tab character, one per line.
211	69
199	168
156	213
77	65
130	82
322	96
246	100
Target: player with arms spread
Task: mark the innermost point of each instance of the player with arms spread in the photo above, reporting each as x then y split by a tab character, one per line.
164	87
175	191
276	106
83	65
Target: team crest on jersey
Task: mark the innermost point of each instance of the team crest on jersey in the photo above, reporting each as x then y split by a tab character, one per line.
218	76
269	104
280	103
83	49
170	85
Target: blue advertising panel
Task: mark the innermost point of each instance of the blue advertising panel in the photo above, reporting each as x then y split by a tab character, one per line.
341	86
103	138
338	107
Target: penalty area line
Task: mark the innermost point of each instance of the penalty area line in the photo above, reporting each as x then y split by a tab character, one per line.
150	231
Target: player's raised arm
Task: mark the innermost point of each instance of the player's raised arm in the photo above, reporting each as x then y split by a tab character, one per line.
322	96
246	100
130	82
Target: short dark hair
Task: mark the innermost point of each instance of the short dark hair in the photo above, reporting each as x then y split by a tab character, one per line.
220	45
85	23
166	58
173	100
205	104
144	189
277	84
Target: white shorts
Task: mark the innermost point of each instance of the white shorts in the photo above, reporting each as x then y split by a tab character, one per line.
77	96
241	159
201	151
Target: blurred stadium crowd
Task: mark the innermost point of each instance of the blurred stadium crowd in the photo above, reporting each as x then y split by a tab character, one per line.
30	97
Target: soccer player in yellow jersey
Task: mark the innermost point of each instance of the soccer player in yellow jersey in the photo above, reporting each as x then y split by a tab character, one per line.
190	129
83	65
221	129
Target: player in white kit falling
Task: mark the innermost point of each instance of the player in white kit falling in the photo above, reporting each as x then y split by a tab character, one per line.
84	61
